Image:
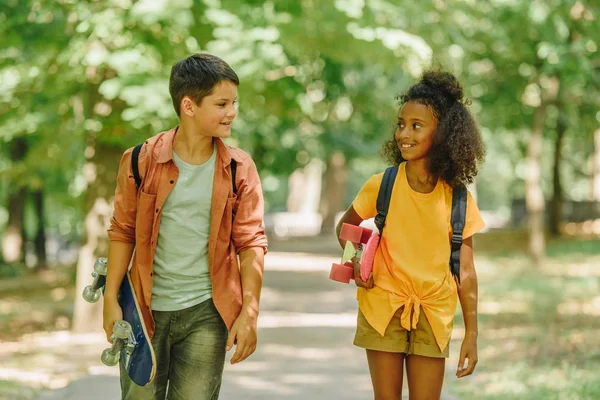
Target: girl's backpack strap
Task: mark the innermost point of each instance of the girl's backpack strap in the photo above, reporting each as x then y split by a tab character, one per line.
134	165
457	219
384	196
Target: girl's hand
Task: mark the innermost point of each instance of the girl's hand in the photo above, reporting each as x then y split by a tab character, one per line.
359	282
468	350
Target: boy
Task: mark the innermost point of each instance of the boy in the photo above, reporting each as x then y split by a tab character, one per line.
188	222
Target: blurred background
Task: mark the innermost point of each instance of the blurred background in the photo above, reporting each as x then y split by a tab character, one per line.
81	81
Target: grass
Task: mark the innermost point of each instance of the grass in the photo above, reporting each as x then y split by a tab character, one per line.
539	328
14	390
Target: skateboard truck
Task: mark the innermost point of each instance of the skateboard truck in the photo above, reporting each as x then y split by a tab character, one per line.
122	337
92	292
131	345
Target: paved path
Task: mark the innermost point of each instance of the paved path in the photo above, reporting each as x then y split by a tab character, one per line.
305	344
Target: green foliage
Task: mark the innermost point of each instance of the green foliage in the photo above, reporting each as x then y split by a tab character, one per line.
316	77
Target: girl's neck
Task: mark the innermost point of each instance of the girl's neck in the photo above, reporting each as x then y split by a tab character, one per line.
192	147
418	176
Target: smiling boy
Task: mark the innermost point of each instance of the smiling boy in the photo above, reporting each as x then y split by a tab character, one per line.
198	208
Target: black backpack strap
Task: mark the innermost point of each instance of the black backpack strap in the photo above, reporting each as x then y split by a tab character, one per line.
457	219
233	170
134	165
384	196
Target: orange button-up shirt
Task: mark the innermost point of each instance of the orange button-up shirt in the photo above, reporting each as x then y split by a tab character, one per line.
137	214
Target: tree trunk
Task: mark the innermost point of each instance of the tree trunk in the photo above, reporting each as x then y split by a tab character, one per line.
40	236
556	205
305	188
534	196
595	186
336	182
13	238
100	173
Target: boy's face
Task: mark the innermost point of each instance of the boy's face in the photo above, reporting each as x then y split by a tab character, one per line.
414	134
215	113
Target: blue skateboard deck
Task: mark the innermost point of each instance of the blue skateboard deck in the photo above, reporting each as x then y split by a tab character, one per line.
140	363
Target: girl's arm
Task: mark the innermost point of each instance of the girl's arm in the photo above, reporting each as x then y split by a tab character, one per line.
467	293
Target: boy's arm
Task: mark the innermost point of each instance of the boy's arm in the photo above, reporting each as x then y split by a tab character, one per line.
244	329
122	241
252	263
467	293
250	241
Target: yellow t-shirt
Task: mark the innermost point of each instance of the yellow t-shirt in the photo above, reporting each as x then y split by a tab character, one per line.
411	266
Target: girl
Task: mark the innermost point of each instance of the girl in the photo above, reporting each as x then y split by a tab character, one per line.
406	307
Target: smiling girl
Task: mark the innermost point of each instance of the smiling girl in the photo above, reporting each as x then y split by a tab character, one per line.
407	306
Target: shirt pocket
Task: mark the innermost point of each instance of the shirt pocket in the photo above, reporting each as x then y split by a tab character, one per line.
144	219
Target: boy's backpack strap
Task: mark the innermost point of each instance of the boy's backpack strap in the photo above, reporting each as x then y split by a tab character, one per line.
233	171
457	219
134	165
384	196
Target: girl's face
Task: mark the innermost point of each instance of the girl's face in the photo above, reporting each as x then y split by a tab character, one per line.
416	126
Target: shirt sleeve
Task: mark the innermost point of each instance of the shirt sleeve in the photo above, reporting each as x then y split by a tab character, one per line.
474	222
122	223
365	202
248	225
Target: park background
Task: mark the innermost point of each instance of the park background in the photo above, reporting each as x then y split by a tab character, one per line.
81	81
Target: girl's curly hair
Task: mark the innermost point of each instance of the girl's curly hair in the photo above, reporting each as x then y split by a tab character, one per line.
457	148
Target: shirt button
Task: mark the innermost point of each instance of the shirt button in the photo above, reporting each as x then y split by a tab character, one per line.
172	182
151	273
157	210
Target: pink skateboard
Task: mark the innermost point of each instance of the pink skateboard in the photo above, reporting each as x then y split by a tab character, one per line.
360	242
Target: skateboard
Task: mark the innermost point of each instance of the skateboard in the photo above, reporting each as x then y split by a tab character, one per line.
360	242
131	343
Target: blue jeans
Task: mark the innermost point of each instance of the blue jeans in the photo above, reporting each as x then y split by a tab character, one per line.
190	355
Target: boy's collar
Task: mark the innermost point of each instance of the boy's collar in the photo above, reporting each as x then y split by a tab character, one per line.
164	148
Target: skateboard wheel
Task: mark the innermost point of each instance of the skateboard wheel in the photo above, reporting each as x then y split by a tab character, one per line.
368	257
342	273
351	233
90	295
109	358
121	329
100	265
355	234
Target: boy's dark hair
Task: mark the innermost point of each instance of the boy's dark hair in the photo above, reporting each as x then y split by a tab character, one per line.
196	76
457	148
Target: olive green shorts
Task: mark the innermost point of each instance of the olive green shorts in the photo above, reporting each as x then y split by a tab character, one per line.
419	341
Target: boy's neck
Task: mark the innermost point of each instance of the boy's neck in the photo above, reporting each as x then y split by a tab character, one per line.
418	176
192	147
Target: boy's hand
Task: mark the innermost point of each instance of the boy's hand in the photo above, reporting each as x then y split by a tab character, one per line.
243	335
357	279
468	350
111	313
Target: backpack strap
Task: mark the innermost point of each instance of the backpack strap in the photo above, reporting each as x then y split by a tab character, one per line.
384	196
135	155
233	170
134	165
457	219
